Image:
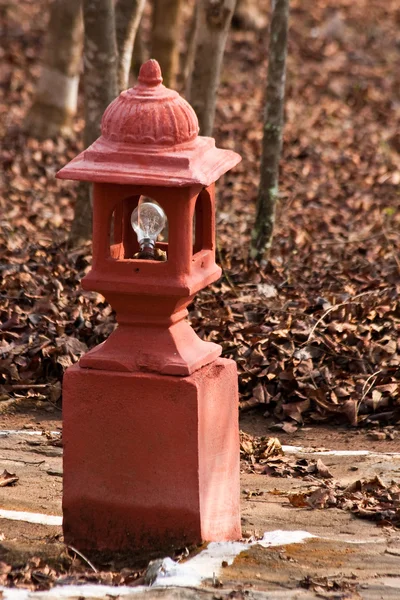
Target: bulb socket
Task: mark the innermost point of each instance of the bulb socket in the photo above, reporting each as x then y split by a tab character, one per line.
147	244
147	247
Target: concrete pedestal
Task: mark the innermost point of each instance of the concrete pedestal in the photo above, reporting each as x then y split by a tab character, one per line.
150	461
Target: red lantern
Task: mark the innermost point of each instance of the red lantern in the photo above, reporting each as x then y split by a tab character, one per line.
153	389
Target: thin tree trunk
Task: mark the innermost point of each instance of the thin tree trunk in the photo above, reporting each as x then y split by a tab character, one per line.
191	43
56	94
81	228
213	23
100	63
100	79
273	126
140	52
166	36
127	18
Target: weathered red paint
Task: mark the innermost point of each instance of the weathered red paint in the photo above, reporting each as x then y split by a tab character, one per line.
150	137
151	461
150	416
150	297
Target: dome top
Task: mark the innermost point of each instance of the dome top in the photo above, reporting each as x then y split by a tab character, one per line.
150	73
149	136
150	113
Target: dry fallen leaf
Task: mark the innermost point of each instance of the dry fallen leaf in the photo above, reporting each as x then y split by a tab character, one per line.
271	447
7	478
322	498
323	470
298	500
368	499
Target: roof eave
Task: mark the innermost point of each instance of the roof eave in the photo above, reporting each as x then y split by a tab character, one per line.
197	163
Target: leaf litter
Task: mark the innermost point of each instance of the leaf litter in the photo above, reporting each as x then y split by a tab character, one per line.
329	587
370	499
265	456
37	574
315	336
365	498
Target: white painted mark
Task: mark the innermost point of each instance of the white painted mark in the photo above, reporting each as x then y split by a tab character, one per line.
8	432
28	517
72	591
286	449
207	562
190	573
302	450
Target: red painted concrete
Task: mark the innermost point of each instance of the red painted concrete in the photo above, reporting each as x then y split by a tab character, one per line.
150	297
151	444
150	137
150	461
150	147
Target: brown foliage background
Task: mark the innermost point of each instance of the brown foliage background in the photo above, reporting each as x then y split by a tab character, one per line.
316	335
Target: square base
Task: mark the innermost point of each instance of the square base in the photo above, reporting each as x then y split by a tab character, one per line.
150	461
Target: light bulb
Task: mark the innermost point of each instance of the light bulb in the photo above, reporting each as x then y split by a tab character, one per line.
148	220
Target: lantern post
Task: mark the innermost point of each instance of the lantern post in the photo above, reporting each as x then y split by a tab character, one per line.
151	441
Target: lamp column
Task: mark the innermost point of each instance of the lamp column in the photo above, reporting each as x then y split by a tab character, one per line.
151	440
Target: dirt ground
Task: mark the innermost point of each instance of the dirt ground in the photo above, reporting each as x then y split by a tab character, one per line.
348	556
318	436
36	460
340	437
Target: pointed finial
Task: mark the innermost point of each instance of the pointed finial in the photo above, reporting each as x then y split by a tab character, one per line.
150	73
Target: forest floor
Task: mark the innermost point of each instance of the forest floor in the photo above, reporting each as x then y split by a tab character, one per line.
344	505
316	334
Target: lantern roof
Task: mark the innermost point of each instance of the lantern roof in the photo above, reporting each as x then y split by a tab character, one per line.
149	136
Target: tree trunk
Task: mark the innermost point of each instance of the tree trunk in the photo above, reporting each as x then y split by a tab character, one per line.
191	43
100	79
127	18
165	38
81	228
213	23
100	63
56	94
273	126
140	52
